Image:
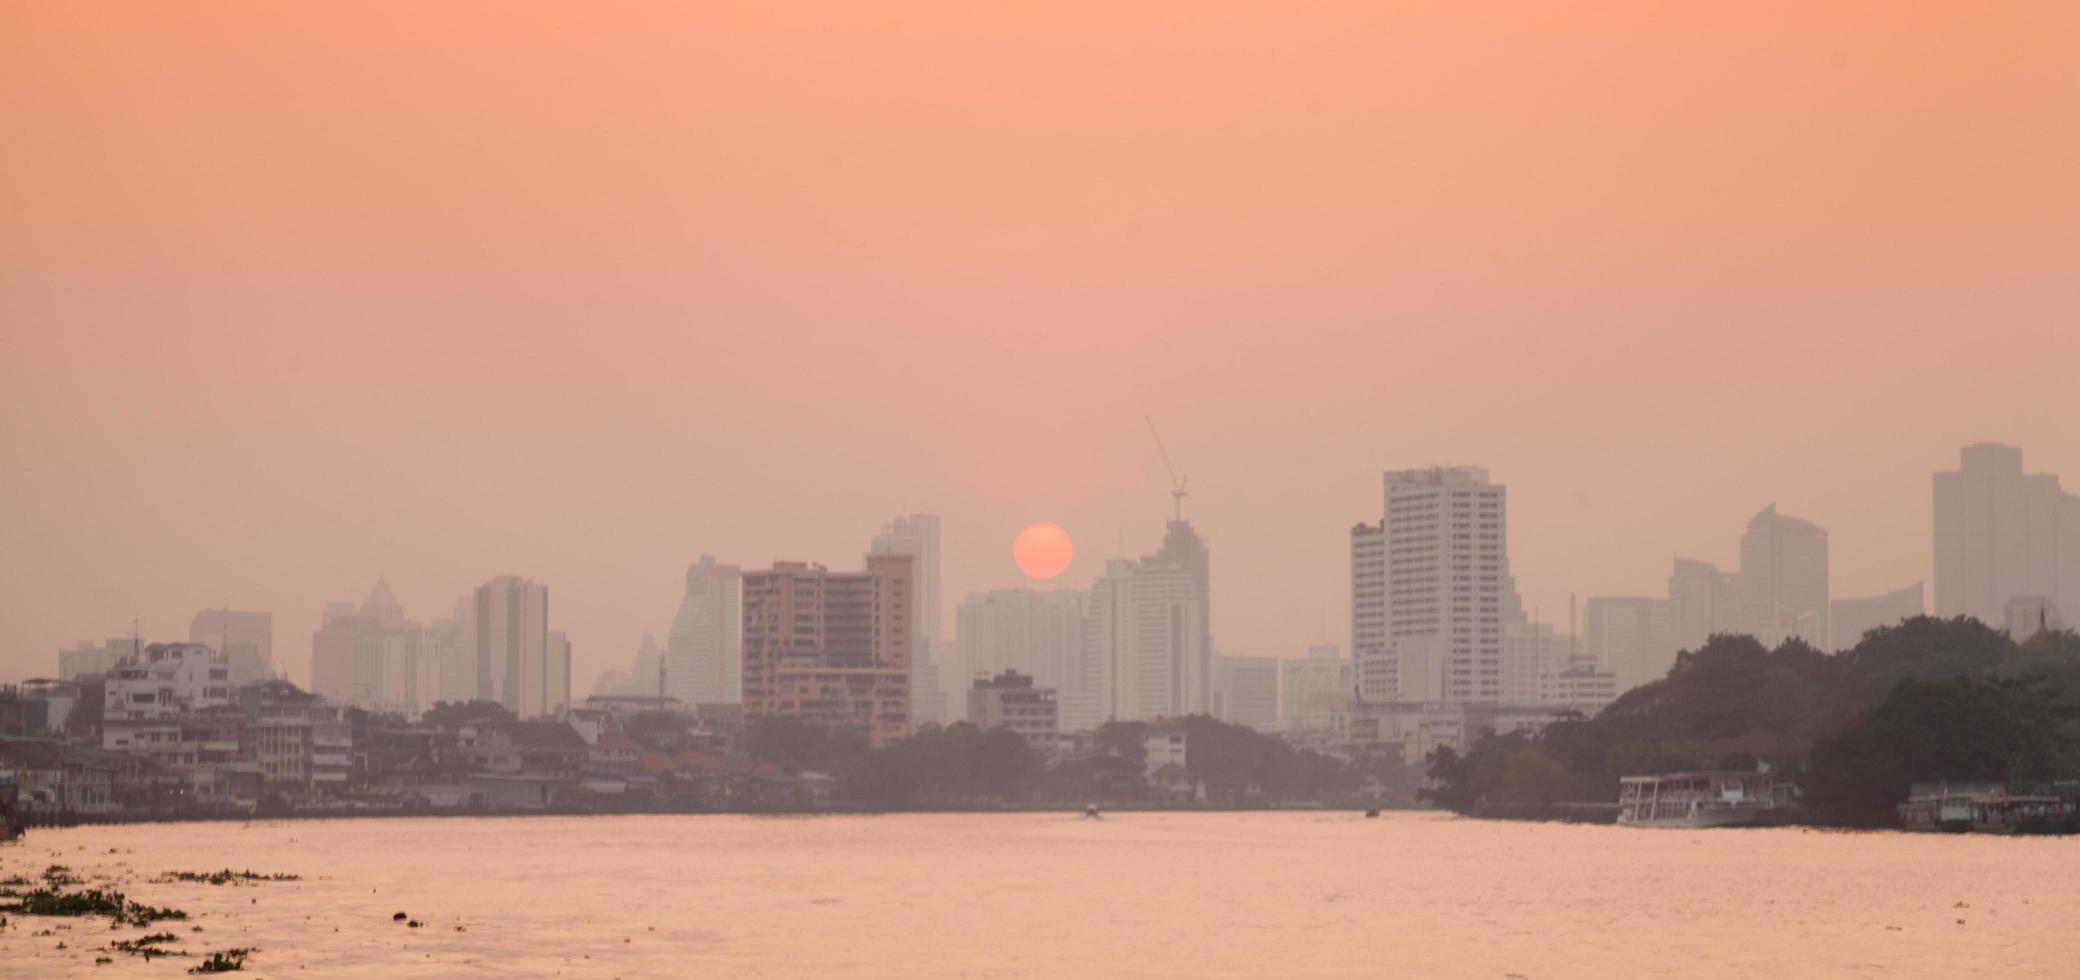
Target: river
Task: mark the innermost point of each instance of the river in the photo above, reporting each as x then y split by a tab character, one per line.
1055	895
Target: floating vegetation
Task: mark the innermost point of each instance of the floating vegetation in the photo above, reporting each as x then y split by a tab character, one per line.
58	874
224	877
147	946
222	961
93	901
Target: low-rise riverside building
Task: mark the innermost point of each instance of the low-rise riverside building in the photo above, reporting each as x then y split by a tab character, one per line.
1011	702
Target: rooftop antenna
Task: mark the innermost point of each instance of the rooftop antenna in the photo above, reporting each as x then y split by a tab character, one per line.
1178	484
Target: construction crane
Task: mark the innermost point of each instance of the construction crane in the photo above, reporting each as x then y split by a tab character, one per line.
1178	484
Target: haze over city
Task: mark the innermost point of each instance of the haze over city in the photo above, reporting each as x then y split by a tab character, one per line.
1337	489
541	300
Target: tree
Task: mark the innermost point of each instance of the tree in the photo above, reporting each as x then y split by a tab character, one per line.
1125	739
1963	729
792	743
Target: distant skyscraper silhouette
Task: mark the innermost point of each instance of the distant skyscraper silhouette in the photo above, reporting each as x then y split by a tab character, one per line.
1850	619
917	535
512	639
246	639
2002	533
1038	633
1783	579
704	653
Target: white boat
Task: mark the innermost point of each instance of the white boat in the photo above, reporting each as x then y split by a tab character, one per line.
1703	799
1943	811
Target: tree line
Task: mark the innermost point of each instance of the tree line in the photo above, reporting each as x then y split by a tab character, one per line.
1927	700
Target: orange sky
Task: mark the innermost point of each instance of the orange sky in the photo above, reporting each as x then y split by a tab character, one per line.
292	295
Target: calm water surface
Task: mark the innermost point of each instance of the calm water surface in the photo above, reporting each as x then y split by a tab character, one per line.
1044	895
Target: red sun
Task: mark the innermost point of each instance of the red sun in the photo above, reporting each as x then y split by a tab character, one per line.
1043	550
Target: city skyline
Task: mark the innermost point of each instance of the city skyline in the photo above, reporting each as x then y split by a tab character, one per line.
362	340
1729	593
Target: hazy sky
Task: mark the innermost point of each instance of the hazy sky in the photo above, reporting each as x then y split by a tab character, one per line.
296	295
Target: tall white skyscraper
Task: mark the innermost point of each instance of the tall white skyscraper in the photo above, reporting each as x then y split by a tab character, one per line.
1150	648
917	535
1442	559
2001	533
512	639
704	653
1783	580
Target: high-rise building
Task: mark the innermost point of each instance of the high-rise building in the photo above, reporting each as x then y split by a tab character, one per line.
246	639
1149	651
1632	638
1314	687
1702	601
1039	634
1779	593
1245	691
2002	533
455	644
87	660
917	535
512	641
704	652
556	675
1446	587
1783	579
1850	619
831	648
1529	652
1375	669
370	656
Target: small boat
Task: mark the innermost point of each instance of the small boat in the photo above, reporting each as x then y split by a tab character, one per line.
1703	799
1090	811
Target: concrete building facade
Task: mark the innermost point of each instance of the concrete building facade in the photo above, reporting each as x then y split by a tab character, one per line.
1014	702
831	648
1446	587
